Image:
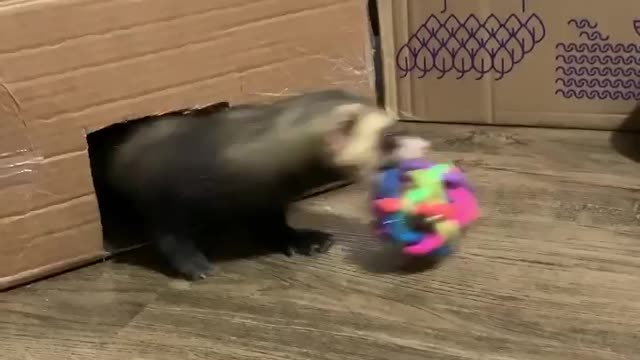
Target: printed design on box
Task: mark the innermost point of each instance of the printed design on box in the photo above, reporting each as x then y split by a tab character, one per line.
446	43
597	69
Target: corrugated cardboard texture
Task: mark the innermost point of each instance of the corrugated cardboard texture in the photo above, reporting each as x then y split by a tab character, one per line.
71	67
570	63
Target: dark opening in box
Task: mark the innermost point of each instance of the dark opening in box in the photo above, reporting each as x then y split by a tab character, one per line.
121	225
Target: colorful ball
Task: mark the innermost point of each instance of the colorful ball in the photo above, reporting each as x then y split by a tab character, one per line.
422	206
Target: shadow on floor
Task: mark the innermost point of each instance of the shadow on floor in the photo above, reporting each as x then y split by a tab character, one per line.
128	243
124	237
386	260
626	140
370	253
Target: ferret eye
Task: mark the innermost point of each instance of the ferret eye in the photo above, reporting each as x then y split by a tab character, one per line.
389	138
348	125
388	141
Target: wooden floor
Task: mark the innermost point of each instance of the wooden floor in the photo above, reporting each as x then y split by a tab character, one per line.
551	272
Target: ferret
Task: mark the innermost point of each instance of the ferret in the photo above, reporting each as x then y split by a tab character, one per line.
183	172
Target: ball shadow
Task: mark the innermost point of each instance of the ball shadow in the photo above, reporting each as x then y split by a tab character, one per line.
382	257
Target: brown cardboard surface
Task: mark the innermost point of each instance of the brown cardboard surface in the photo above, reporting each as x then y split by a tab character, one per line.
71	67
571	63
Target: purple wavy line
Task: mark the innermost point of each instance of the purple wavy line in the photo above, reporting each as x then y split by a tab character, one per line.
597	71
595	59
616	48
598	94
599	83
636	26
582	23
469	46
598	59
594	35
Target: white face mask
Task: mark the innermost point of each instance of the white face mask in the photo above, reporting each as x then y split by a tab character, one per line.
410	147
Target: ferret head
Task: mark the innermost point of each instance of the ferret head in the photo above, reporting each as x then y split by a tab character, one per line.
358	134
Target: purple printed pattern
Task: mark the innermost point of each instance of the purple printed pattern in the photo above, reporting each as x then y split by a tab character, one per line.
445	44
592	83
597	70
588	30
636	26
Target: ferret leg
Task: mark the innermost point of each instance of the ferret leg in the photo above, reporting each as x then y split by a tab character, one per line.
290	240
183	256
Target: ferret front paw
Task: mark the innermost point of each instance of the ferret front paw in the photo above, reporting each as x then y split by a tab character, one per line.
193	268
184	257
309	242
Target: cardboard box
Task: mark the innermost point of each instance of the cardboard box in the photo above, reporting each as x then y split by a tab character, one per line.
68	68
571	63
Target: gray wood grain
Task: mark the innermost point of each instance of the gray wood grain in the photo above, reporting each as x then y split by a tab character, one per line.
550	272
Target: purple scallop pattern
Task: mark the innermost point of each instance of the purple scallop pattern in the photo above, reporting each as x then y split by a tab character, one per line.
447	43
